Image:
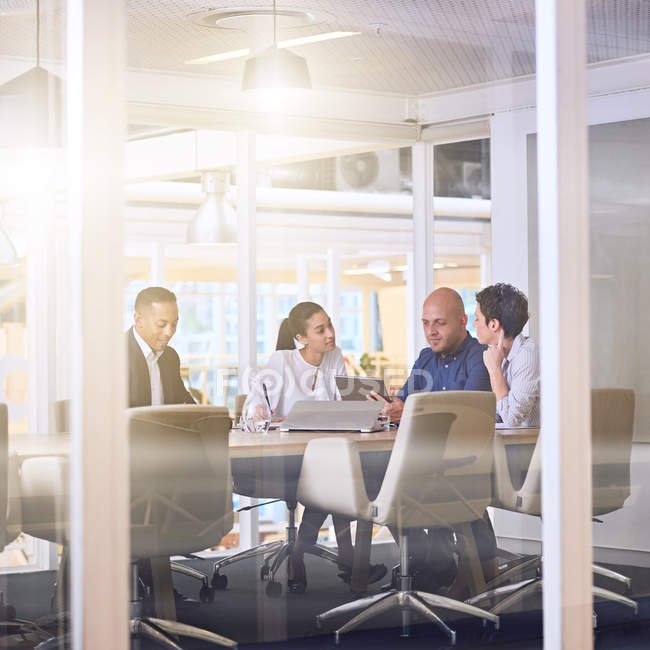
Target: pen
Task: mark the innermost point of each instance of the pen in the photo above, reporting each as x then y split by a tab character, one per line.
266	397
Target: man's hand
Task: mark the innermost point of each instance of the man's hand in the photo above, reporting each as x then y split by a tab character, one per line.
392	409
494	355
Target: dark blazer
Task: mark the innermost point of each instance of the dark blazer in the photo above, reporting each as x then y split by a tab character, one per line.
174	391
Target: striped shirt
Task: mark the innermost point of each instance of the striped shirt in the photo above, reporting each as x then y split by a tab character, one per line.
520	407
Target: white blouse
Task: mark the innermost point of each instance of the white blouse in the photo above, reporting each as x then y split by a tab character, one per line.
289	378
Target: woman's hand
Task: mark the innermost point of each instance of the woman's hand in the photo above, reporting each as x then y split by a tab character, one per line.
261	412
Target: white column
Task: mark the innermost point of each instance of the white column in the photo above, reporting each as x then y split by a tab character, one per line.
158	265
486	268
508	164
99	480
302	273
41	305
62	273
420	261
247	297
42	320
564	308
334	287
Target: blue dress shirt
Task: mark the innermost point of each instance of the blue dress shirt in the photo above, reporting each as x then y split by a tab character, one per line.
461	370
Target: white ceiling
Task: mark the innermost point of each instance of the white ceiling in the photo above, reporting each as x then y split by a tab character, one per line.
423	46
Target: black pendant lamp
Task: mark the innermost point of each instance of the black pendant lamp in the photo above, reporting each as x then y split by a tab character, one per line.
31	106
275	68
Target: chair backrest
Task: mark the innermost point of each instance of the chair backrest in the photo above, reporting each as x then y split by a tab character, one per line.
179	415
181	488
61	413
239	404
612	428
440	469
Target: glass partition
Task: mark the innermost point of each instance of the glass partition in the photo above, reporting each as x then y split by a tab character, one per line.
34	326
620	363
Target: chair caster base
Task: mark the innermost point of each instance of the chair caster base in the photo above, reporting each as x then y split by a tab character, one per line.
219	582
273	589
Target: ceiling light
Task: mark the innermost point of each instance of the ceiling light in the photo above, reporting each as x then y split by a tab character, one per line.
31	105
274	68
216	220
294	42
316	38
224	56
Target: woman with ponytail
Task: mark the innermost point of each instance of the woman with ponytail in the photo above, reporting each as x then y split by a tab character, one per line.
307	373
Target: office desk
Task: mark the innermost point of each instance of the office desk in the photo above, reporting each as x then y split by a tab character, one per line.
252	445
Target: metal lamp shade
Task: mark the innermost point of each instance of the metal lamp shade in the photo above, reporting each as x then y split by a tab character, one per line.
31	110
276	68
214	223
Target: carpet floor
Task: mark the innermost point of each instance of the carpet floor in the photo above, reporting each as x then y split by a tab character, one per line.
244	612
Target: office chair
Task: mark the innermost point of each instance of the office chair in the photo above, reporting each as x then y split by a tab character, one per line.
275	479
239	405
181	415
10	528
180	501
438	475
612	425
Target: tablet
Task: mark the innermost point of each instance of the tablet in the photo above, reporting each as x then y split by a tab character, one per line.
358	388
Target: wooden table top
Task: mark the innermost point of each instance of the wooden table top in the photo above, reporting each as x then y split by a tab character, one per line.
252	445
518	435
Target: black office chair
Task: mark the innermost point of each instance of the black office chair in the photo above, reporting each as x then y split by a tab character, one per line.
274	478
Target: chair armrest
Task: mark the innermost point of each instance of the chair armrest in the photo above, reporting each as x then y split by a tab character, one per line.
504	495
45	497
455	463
331	478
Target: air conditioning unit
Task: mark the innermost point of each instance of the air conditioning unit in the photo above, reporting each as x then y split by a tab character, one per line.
371	171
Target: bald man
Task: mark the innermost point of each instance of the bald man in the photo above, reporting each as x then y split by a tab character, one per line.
453	361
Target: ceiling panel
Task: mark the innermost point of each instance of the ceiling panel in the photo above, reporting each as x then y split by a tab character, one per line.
407	47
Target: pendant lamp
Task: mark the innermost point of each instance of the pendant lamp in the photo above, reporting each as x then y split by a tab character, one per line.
216	220
275	68
31	106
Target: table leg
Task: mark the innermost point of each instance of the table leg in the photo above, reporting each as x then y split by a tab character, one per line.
469	565
361	561
163	590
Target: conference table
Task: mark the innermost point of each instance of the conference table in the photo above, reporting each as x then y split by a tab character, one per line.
255	445
273	445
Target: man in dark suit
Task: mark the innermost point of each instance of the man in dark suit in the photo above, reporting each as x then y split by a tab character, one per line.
154	367
155	377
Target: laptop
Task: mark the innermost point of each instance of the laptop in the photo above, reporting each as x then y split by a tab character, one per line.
353	388
312	415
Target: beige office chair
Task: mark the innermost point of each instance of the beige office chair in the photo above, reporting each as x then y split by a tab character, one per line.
612	424
180	499
239	405
10	526
438	475
181	415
